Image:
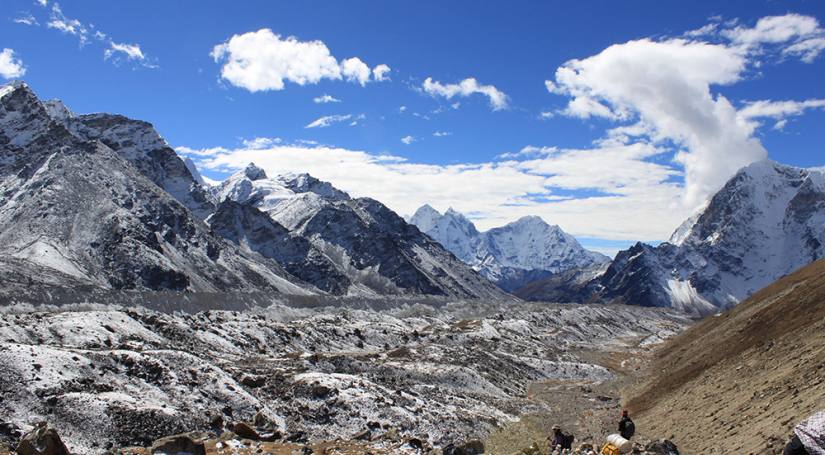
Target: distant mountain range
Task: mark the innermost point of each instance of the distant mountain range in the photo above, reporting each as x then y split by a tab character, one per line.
102	201
766	222
511	256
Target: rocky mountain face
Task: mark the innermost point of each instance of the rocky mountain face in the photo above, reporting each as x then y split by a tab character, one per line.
520	252
101	200
371	250
77	212
766	222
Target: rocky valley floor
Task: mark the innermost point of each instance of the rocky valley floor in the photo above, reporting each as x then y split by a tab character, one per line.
407	376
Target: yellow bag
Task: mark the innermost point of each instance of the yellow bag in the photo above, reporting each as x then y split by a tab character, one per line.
609	449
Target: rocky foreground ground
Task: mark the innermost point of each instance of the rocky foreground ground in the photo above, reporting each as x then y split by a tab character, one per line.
410	378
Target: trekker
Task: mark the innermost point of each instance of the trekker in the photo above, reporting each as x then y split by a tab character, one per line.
560	440
809	437
626	426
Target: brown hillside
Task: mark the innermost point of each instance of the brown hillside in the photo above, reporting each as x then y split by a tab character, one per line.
737	383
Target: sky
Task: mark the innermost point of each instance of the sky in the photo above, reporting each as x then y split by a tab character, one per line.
614	120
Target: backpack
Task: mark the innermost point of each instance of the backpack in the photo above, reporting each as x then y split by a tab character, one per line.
629	429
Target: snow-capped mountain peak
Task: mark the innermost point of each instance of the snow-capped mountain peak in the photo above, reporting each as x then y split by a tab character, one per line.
57	110
253	172
425	217
506	254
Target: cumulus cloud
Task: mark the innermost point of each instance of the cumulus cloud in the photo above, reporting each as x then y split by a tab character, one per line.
465	88
263	60
10	66
442	133
665	87
380	72
328	120
534	181
324	99
407	140
354	70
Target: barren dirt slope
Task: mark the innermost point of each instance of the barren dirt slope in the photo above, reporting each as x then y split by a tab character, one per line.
738	382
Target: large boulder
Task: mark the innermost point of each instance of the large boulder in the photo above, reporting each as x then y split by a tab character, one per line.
42	440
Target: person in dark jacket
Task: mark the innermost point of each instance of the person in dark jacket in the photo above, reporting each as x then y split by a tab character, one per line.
626	426
559	439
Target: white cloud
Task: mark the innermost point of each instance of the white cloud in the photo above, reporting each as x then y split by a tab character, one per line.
261	142
774	29
324	99
467	87
26	20
665	87
407	140
354	70
546	115
796	35
263	60
807	50
115	53
402	109
328	120
43	3
379	73
59	21
778	110
130	51
442	133
10	66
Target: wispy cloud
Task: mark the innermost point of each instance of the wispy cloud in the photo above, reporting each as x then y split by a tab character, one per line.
442	133
465	88
329	120
324	99
27	19
407	140
86	33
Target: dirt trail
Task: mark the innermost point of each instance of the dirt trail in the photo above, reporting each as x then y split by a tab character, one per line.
589	410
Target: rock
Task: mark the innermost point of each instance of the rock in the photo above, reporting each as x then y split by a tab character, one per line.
42	440
253	381
363	435
474	447
188	443
245	431
661	447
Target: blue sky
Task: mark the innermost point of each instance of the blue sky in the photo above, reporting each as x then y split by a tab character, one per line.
655	112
